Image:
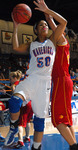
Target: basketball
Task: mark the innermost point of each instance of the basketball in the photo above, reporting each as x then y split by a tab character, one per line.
22	13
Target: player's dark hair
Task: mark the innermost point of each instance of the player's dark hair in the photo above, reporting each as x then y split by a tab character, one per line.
35	27
72	34
66	31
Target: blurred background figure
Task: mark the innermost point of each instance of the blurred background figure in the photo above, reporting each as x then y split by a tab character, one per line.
75	93
2	108
73	76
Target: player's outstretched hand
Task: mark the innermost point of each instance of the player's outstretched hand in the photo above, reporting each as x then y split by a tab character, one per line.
41	5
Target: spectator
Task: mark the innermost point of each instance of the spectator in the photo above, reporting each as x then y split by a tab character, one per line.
20	62
71	70
76	72
75	93
0	68
73	76
74	83
2	76
11	58
76	75
2	107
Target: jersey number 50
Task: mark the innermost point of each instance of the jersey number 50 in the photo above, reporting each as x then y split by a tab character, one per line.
41	61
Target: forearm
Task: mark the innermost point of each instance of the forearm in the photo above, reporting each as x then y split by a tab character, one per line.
57	29
56	16
51	22
15	39
20	48
12	88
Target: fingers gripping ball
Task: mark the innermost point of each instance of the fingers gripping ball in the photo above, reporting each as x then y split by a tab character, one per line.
22	13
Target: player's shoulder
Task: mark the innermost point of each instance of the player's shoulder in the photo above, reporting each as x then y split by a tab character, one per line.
34	43
49	40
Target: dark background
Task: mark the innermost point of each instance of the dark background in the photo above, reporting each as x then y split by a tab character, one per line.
67	8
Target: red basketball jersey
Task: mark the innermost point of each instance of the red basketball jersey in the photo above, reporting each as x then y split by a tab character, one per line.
61	63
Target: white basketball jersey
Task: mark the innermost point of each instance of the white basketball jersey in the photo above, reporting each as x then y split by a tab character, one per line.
41	58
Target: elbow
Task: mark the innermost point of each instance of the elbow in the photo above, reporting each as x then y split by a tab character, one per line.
15	48
65	22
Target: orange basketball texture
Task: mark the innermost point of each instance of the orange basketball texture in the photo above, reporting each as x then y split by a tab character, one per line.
22	13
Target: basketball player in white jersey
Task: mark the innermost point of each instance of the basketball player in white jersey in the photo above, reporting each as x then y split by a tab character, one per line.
38	83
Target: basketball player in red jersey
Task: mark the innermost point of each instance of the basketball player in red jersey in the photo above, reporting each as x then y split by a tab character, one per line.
62	89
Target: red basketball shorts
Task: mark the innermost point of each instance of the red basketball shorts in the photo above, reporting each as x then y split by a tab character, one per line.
61	101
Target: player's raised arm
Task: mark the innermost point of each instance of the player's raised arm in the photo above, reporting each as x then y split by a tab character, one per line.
41	6
20	48
53	26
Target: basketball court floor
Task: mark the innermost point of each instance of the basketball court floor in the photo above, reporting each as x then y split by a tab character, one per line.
52	140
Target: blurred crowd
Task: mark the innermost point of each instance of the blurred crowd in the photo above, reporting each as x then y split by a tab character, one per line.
12	62
74	77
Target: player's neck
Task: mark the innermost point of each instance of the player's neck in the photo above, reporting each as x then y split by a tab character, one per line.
41	39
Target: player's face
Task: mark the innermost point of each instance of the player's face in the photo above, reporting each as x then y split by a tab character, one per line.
42	28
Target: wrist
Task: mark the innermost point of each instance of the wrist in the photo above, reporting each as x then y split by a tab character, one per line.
50	18
15	30
47	10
